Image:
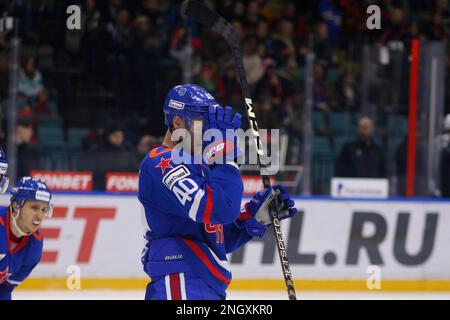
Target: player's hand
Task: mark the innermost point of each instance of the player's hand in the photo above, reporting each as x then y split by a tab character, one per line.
258	207
221	118
255	215
221	144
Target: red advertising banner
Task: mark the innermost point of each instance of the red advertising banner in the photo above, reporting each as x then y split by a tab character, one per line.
65	180
126	182
121	182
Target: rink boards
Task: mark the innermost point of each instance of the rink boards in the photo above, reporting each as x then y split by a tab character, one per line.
394	244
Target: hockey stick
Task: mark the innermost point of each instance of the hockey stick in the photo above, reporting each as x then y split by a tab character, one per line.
203	15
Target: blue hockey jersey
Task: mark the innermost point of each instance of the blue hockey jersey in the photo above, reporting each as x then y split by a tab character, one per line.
191	212
16	262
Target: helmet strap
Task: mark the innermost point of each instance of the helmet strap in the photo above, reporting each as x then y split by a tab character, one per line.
16	226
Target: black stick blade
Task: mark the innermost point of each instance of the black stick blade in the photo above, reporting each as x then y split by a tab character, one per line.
198	12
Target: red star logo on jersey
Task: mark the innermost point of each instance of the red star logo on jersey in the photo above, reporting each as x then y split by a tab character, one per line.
164	164
4	275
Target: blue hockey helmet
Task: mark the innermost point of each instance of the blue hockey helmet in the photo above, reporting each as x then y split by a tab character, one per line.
187	101
4	180
28	188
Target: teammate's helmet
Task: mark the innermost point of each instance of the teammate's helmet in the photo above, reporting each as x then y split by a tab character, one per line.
32	189
4	180
187	101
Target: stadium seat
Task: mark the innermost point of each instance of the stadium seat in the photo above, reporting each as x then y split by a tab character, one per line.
50	136
397	125
341	123
76	135
333	74
50	122
53	105
319	121
321	145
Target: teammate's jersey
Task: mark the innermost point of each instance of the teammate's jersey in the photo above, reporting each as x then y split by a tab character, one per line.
191	213
16	261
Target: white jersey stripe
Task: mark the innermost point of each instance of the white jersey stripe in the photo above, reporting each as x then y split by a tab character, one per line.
194	207
168	291
223	263
182	286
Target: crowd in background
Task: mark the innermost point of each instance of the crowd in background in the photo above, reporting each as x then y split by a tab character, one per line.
129	53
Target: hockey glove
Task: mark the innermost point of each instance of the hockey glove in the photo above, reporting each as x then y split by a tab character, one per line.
255	215
220	145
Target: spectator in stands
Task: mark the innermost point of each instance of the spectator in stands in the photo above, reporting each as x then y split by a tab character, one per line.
90	21
347	95
354	16
239	29
253	63
187	56
146	71
4	67
363	157
30	78
91	15
262	35
292	119
434	28
42	108
441	174
239	11
231	85
322	45
109	10
114	140
152	9
252	17
290	12
331	14
145	145
443	7
226	8
271	86
395	29
281	47
290	79
210	79
93	139
293	123
321	90
267	113
120	31
115	154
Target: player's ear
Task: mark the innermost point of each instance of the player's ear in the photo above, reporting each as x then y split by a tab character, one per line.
15	206
177	122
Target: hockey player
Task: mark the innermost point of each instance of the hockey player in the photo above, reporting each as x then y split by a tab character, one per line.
193	210
4	180
20	239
